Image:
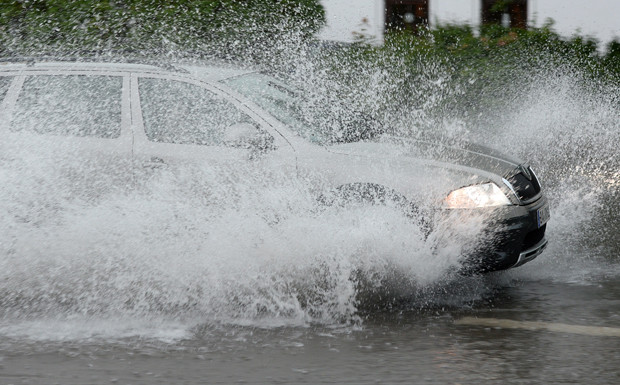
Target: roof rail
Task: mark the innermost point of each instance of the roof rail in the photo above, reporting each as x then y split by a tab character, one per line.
32	60
130	56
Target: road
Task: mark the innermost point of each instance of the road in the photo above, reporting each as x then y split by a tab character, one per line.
545	323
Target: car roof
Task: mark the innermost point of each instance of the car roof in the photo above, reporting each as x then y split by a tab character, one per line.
208	72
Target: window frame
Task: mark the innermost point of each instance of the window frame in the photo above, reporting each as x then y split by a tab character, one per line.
420	7
518	11
139	130
7	107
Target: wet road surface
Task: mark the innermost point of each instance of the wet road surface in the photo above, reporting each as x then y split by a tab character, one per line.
514	328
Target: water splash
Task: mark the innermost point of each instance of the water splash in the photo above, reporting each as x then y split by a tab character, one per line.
111	256
193	244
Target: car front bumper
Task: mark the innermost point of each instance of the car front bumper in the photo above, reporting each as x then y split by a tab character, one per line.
515	235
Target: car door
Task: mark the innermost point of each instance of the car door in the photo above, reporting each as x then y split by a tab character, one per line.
182	120
66	140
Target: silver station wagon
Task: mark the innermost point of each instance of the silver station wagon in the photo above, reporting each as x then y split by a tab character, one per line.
221	115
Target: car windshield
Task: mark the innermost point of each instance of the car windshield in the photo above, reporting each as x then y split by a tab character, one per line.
303	116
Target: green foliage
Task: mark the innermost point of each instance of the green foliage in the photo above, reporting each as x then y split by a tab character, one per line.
501	5
612	59
453	73
464	72
182	25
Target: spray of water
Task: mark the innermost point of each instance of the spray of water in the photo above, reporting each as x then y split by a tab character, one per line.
195	244
93	248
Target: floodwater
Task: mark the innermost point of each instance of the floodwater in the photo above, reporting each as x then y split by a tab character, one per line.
429	345
184	277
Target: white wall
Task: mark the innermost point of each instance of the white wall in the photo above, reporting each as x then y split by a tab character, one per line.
347	20
596	18
442	12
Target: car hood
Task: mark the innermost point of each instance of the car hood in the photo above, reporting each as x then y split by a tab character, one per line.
475	158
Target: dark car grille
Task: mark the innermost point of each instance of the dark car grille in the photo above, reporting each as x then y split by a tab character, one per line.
524	187
533	237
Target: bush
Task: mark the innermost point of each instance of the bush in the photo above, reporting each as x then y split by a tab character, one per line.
451	75
179	25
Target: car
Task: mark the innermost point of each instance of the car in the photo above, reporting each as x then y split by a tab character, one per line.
220	114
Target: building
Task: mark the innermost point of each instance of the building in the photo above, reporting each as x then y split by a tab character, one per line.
351	20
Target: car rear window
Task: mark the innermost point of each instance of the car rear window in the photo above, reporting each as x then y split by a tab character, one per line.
185	113
74	105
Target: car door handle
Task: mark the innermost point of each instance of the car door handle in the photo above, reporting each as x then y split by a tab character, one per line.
154	162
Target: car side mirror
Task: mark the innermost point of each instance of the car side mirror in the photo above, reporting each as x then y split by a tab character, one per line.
249	136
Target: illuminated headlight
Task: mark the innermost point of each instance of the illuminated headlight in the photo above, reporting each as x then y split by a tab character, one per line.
480	195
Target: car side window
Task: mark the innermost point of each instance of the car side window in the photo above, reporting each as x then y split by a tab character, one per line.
185	113
70	105
5	82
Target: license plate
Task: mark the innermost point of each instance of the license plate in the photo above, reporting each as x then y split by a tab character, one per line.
542	215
